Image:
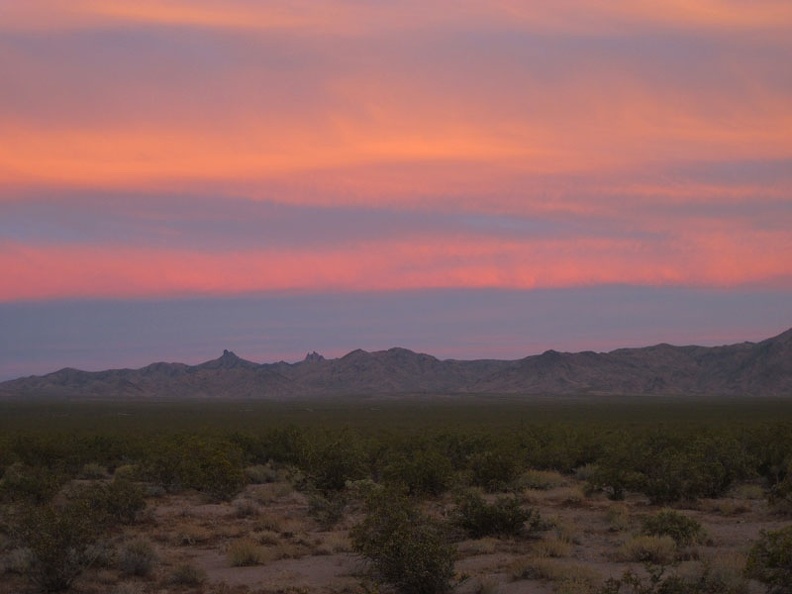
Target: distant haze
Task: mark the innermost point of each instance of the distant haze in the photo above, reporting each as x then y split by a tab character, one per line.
464	324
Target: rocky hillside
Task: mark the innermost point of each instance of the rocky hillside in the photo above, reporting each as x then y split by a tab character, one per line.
757	369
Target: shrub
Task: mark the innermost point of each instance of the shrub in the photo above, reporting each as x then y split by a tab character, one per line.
119	501
667	522
407	550
327	511
494	470
504	517
60	542
36	485
137	558
332	464
213	467
425	472
770	560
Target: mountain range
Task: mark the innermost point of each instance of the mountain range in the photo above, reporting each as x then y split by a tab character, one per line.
746	369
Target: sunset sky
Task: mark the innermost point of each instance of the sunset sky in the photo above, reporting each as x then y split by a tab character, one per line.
470	179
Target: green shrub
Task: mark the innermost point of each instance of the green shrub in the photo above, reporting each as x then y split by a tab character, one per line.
335	460
119	501
60	541
770	560
667	522
137	558
494	470
423	472
327	510
504	517
780	495
211	466
406	549
35	485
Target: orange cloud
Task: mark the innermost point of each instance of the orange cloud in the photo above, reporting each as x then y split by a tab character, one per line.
703	255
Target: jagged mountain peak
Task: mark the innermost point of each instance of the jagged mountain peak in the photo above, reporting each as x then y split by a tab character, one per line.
313	357
228	360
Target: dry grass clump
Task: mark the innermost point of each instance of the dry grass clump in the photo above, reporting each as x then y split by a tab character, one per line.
267	521
574	575
16	561
552	547
725	507
660	550
246	552
585	472
137	558
563	530
748	491
332	543
271	492
93	471
728	569
261	474
185	534
128	588
187	575
542	480
479	546
618	517
245	508
267	537
569	495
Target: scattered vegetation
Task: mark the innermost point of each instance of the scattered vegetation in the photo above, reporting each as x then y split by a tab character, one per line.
419	475
770	560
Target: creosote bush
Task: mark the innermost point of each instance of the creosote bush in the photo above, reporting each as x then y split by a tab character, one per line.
212	466
770	560
407	550
667	522
504	517
60	541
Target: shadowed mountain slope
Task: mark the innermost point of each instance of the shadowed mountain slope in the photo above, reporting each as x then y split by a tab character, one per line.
761	369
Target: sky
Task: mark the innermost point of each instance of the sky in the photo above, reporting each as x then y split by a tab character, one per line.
471	179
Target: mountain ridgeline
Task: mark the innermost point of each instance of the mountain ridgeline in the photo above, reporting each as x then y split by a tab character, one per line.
745	369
